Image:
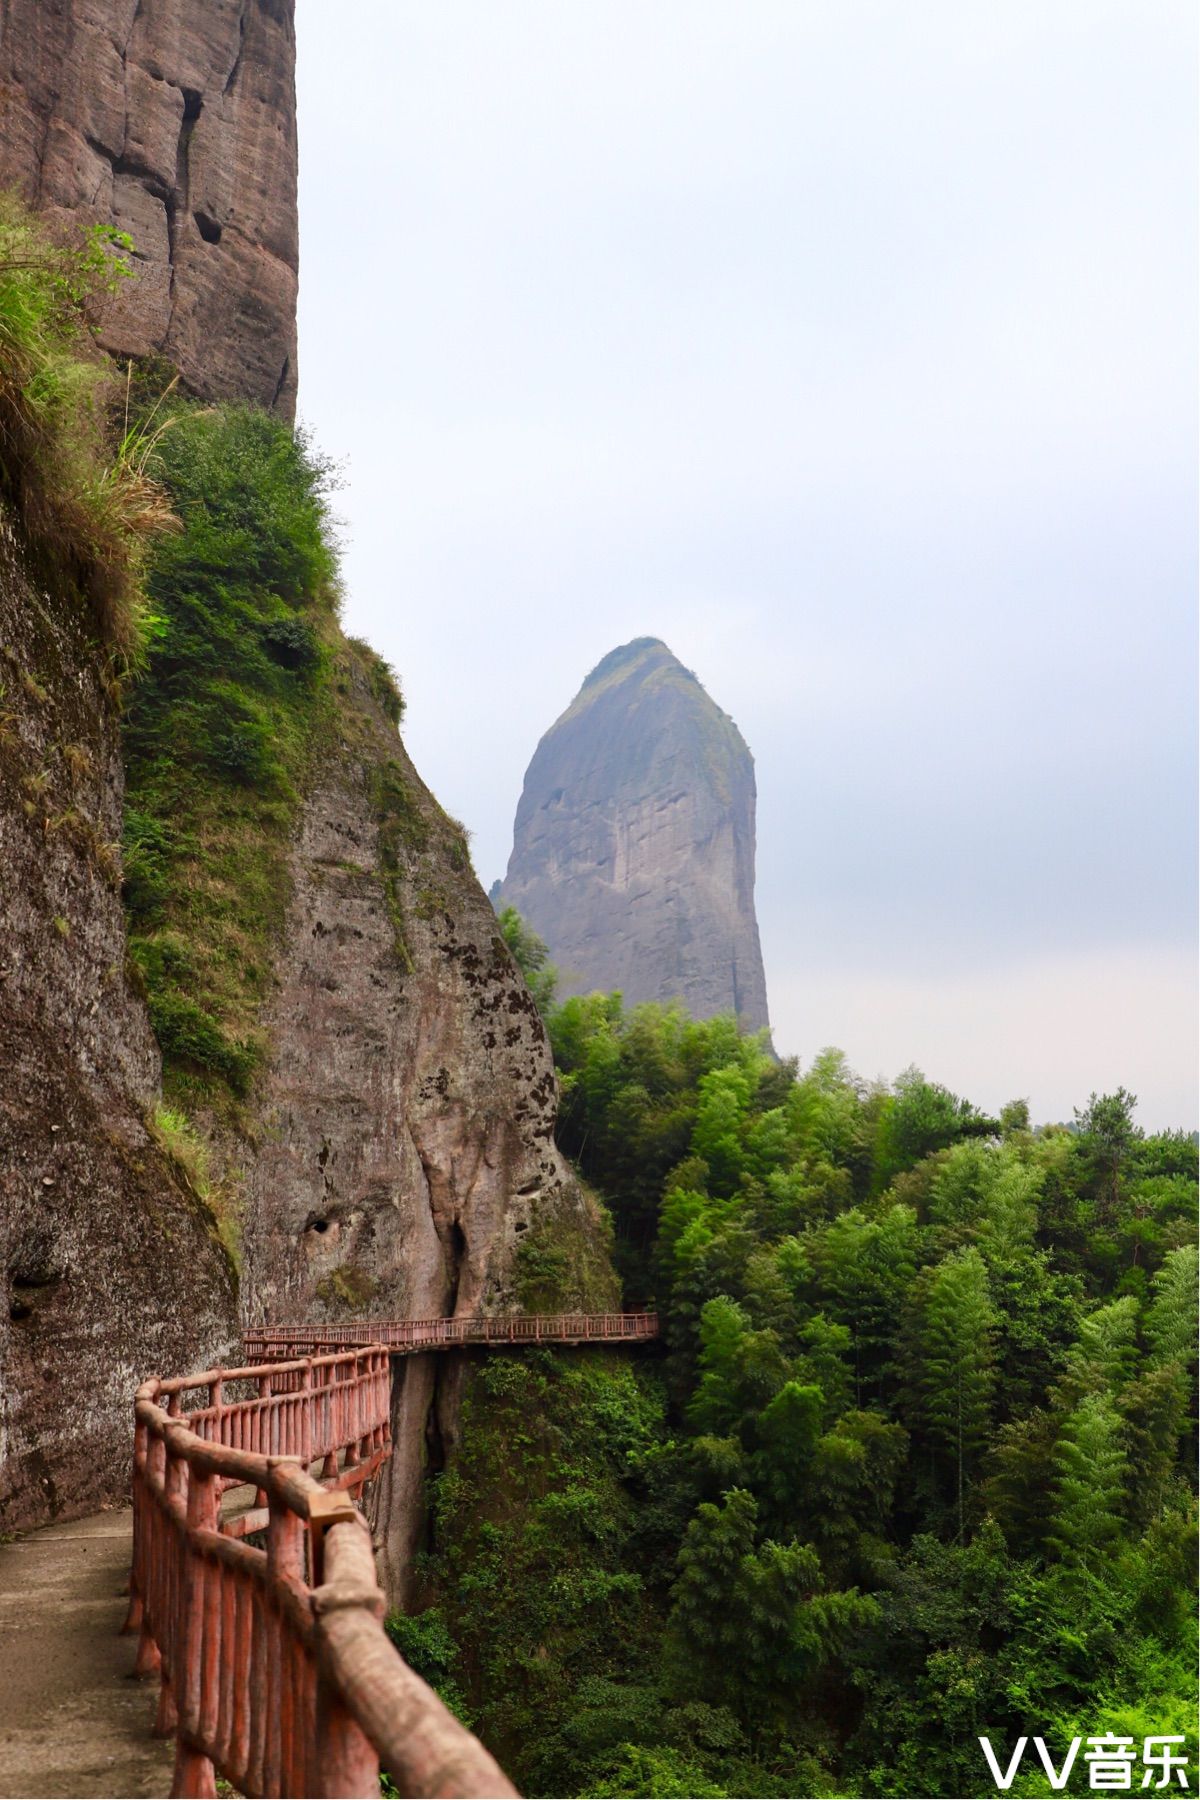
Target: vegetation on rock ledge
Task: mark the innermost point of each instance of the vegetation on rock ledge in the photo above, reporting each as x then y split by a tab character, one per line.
221	729
79	486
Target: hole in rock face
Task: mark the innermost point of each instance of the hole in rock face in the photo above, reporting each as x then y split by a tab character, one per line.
18	1310
320	1225
521	1225
192	102
457	1252
208	228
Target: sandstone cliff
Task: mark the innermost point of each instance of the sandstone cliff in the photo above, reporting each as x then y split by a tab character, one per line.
176	123
111	1265
405	1124
633	849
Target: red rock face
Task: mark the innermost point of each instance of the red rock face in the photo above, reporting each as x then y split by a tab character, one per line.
176	121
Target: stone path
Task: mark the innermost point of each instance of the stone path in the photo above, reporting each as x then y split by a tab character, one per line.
73	1720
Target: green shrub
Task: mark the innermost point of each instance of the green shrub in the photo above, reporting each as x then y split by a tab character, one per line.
179	1140
292	643
427	1645
382	680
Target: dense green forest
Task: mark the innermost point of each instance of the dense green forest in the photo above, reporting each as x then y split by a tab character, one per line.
916	1465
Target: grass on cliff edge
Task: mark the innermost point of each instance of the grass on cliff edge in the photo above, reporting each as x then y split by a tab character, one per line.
233	706
74	475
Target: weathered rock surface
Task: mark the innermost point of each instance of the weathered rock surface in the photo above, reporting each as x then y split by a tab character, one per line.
112	1270
176	123
405	1130
633	849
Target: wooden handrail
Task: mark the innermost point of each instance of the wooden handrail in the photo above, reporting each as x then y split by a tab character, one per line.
274	1666
275	1669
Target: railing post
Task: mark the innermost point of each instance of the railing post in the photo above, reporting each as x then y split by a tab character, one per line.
195	1778
306	1416
286	1546
286	1532
149	1658
166	1719
347	1763
133	1617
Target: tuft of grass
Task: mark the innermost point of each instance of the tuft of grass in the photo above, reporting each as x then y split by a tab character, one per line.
77	760
381	679
347	1289
88	505
80	831
186	1150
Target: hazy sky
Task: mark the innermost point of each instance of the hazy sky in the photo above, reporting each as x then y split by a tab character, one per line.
851	349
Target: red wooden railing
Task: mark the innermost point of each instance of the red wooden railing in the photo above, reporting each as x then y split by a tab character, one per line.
275	1668
405	1336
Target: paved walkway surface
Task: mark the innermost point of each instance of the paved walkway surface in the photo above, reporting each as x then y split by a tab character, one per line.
73	1720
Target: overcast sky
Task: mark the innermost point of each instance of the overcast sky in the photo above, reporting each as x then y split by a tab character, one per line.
851	349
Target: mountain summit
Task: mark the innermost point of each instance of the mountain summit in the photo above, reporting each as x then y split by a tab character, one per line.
633	848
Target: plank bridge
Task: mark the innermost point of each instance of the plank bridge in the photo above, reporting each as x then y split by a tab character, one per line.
274	1667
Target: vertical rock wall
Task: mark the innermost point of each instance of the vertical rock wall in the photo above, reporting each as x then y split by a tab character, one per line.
405	1131
633	848
174	120
111	1268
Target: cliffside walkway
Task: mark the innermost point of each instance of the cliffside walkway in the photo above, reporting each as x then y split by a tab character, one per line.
274	1670
72	1721
406	1336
